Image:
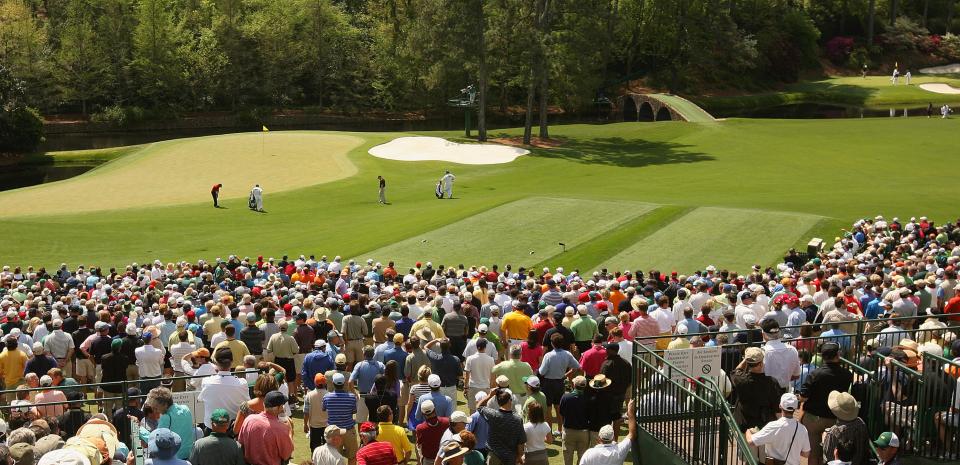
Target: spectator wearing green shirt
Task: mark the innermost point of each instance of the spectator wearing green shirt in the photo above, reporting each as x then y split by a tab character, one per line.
584	329
515	370
175	417
532	385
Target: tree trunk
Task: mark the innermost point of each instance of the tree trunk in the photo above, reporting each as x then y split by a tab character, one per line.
951	5
871	14
926	10
482	58
544	92
544	29
894	4
528	120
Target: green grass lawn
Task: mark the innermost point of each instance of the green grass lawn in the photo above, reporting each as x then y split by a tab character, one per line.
872	92
834	170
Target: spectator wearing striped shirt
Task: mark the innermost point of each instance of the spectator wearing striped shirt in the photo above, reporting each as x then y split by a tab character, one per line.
340	407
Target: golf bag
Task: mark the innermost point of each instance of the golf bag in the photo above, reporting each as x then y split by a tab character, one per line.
439	192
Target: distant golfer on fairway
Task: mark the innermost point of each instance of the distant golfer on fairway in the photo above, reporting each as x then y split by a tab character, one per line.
447	181
383	187
256	198
215	192
439	192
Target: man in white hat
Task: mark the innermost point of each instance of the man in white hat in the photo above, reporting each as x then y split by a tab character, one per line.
608	452
785	438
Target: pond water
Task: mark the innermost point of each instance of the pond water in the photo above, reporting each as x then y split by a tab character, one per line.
821	111
33	175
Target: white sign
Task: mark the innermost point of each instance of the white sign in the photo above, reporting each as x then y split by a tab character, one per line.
681	360
189	399
701	362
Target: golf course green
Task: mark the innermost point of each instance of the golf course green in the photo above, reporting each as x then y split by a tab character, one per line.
672	195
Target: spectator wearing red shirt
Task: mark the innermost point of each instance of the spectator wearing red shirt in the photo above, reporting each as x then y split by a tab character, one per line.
644	327
429	433
543	324
374	452
266	440
705	317
592	359
952	309
531	351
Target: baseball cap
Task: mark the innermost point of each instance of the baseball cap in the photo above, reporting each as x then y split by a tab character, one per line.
333	430
789	402
163	443
887	439
753	355
319	343
482	329
749	318
202	352
251	316
829	349
275	399
338	379
319	380
433	381
580	382
340	359
459	417
368	427
479	396
532	381
606	433
427	407
503	381
220	416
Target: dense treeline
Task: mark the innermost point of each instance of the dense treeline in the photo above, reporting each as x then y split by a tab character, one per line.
130	58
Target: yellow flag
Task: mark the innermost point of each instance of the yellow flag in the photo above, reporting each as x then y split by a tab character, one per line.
265	129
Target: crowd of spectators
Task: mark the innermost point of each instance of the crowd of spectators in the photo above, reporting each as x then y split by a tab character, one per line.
376	357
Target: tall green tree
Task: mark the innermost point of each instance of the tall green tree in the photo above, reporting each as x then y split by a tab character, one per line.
24	49
81	64
156	62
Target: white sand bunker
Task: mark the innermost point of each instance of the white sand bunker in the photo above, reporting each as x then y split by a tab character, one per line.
439	149
940	88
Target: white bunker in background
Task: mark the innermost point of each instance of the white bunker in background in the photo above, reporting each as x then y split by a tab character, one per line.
438	149
940	88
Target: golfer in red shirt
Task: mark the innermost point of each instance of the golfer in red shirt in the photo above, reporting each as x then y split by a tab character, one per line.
215	192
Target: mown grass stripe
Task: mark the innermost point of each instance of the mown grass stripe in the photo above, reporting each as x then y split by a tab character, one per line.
607	244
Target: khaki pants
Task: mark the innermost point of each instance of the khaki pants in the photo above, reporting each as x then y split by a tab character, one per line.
354	351
576	441
111	405
815	427
298	362
663	341
471	401
362	412
350	445
86	369
133	373
404	398
67	368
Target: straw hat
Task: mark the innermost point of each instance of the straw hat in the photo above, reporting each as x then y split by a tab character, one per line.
843	405
600	382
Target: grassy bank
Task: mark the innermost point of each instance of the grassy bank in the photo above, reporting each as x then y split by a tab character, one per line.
869	92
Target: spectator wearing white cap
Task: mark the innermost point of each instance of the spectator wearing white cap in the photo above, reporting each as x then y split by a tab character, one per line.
477	371
429	433
442	403
785	439
41	362
458	423
483	332
329	452
341	406
607	451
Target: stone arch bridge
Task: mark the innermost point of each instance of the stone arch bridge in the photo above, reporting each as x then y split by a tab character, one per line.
659	107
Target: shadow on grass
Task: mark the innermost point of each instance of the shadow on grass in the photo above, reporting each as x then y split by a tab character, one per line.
617	151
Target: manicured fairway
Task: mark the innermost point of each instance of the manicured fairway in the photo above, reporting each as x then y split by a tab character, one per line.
834	170
725	237
510	232
181	171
